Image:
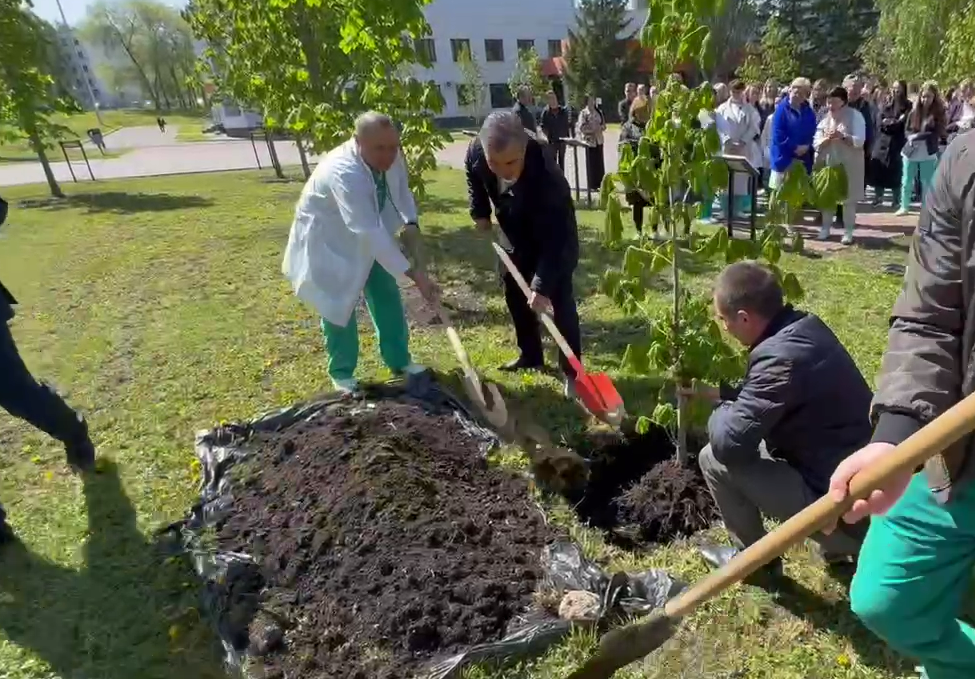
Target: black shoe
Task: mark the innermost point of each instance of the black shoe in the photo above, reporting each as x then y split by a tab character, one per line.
80	451
7	534
768	575
522	364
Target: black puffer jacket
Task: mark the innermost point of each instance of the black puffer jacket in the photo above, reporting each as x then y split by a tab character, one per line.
7	300
536	214
802	394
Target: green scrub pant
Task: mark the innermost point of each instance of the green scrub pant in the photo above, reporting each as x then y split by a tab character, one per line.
913	576
924	169
386	309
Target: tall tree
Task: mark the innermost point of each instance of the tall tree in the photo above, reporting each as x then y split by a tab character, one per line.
312	65
958	57
601	56
828	33
731	29
27	91
153	44
472	90
909	40
775	56
528	73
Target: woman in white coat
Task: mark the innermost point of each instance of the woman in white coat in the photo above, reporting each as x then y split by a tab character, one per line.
738	123
342	244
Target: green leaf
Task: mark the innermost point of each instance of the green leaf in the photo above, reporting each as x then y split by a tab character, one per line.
643	425
791	288
665	415
613	221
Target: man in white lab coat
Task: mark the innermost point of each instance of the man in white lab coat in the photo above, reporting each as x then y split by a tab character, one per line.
343	244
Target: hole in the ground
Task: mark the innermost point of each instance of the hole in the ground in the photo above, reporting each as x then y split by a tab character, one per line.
637	492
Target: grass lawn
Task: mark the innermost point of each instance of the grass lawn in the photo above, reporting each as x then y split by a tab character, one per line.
158	306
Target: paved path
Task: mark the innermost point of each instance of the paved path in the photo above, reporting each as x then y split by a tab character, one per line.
150	153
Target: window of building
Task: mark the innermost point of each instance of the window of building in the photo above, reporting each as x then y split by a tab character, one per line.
76	41
426	49
91	82
459	46
85	68
501	95
77	82
96	93
493	49
80	55
465	95
525	45
554	48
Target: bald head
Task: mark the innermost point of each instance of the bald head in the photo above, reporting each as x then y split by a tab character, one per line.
378	140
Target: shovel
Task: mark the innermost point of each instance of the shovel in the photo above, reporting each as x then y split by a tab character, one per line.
557	469
595	390
622	646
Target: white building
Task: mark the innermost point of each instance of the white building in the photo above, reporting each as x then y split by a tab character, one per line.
77	68
495	32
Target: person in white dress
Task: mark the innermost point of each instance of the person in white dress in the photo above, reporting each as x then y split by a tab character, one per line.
738	123
839	141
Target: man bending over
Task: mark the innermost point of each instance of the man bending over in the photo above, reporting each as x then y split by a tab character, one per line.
803	407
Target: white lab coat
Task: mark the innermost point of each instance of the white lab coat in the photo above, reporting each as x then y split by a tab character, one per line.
739	123
338	232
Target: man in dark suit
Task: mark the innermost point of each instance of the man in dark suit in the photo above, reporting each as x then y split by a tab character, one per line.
510	170
35	402
523	108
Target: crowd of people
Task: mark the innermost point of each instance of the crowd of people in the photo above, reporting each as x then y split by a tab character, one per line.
888	137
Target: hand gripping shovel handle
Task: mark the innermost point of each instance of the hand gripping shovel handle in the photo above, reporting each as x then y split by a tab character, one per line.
546	319
929	441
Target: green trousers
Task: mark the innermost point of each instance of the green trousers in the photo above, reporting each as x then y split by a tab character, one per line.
913	575
386	309
924	169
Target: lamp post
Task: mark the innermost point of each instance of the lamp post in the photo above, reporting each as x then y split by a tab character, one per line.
91	92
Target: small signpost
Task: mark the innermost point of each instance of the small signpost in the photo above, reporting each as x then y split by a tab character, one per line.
740	165
575	145
75	144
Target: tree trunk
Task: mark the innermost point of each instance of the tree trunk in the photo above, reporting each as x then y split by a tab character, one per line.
52	182
682	452
304	157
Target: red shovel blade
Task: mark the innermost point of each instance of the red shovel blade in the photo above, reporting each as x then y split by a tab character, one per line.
598	394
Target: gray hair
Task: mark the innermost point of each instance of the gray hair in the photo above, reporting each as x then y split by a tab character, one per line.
370	121
748	286
500	130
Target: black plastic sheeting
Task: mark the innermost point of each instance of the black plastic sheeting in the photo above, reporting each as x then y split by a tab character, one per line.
530	636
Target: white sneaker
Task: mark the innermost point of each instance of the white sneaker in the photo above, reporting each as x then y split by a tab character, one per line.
847	239
901	213
823	233
349	386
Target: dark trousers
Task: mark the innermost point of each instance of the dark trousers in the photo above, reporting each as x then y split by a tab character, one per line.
595	167
34	402
559	148
746	490
527	324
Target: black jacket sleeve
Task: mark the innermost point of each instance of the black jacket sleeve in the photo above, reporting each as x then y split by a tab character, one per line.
736	427
558	231
480	202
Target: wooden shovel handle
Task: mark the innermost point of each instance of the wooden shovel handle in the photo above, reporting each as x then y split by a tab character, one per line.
458	346
546	319
929	441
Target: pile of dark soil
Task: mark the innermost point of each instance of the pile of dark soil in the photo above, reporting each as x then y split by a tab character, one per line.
636	490
383	540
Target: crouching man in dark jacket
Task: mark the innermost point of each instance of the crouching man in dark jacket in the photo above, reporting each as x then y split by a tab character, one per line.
509	169
802	408
35	402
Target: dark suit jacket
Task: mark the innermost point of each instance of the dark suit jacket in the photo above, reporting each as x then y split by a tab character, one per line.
537	214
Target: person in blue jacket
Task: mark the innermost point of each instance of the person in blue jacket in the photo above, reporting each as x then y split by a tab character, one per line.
793	129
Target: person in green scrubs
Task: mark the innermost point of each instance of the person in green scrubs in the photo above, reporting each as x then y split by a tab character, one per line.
915	567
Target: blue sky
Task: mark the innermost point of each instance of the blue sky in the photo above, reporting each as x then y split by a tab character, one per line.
75	10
